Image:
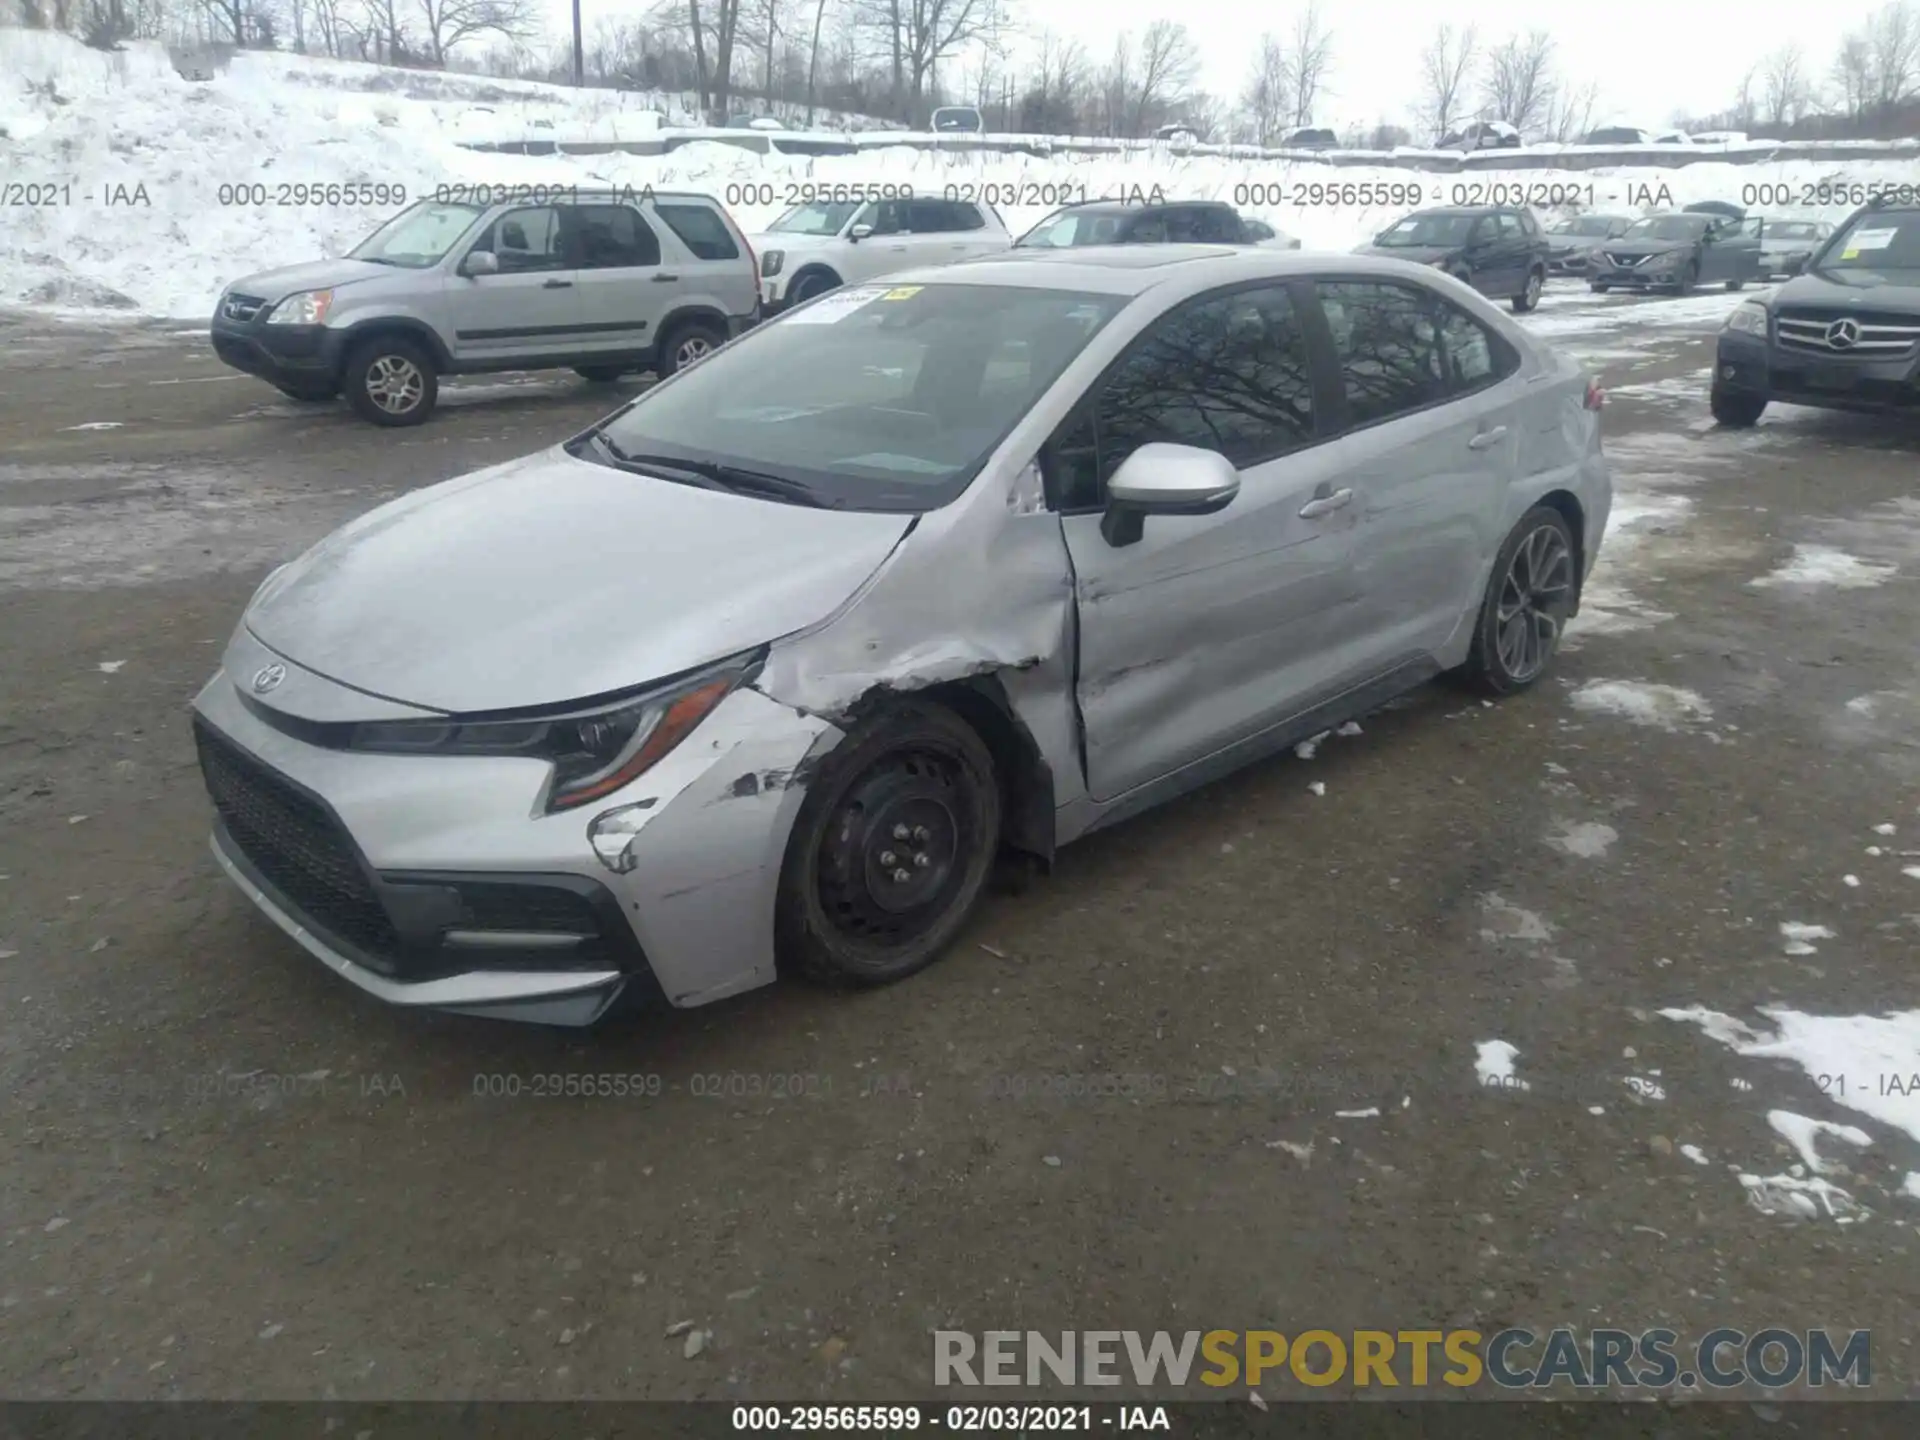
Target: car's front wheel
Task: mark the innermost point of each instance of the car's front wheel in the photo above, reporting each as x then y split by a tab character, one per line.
892	849
391	380
689	343
1529	297
1688	278
1528	601
814	282
1736	409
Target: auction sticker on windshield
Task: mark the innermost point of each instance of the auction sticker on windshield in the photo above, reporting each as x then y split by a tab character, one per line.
904	292
832	309
1868	240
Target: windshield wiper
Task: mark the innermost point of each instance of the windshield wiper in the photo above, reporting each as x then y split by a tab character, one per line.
710	475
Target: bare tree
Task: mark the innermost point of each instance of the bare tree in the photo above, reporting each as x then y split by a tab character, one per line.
1519	80
1268	97
1746	109
1783	83
1116	85
229	16
1051	102
1309	61
1570	113
450	22
1853	77
1168	62
1446	66
1893	47
813	56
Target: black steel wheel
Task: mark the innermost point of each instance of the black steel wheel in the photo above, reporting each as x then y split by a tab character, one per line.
892	849
1529	599
814	282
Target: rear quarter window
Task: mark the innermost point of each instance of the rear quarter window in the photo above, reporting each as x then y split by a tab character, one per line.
700	229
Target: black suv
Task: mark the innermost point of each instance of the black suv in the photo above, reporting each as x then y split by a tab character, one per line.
1114	222
1497	249
1843	335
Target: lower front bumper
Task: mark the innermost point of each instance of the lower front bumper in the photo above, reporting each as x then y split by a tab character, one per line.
554	998
285	355
1748	365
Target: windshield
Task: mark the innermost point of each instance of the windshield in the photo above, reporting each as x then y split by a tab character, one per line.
1668	227
1442	231
1876	242
418	236
818	218
1585	225
1792	230
872	398
1073	227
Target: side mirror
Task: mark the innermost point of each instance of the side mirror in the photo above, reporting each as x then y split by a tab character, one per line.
480	262
1162	479
859	232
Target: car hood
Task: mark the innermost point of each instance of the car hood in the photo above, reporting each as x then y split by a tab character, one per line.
272	285
1641	249
551	579
1891	289
1415	254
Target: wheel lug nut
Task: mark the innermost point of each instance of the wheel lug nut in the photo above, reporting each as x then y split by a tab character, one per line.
920	834
900	832
900	877
889	859
920	860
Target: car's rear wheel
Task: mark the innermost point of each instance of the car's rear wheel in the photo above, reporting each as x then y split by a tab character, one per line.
391	380
309	394
1527	604
892	849
599	374
814	282
1736	285
1529	297
688	343
1598	287
1736	409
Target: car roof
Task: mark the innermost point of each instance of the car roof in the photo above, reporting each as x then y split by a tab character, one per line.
1474	210
1134	207
1136	269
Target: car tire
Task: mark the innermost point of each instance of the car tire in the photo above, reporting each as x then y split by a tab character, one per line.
688	343
1529	298
1688	278
310	394
913	774
599	374
1529	598
1736	409
1598	287
392	381
813	283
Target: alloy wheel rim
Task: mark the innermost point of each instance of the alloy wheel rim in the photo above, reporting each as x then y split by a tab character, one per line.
1533	596
1533	290
693	349
395	384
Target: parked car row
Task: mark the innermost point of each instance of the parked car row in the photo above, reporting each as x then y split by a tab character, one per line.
1498	135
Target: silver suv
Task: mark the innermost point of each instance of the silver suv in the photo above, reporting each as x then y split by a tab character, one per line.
602	282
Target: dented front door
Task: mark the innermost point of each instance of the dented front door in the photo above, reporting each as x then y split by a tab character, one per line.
1211	628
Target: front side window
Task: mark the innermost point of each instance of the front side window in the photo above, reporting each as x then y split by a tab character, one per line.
418	236
1071	228
1388	346
1229	374
614	237
819	218
1444	232
525	240
874	397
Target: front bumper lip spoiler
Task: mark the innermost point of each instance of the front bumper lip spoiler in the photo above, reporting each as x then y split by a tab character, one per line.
569	998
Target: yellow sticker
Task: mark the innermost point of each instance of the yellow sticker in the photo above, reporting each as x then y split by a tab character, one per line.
905	292
1849	254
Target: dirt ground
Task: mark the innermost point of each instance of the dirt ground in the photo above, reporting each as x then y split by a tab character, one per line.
225	1174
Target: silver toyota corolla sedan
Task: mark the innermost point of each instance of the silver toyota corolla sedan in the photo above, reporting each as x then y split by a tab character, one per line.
769	669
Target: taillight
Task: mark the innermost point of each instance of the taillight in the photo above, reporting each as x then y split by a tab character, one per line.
1596	397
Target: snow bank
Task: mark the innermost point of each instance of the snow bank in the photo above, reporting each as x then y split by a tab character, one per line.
94	130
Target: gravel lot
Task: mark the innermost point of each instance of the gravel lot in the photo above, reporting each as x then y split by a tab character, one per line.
228	1175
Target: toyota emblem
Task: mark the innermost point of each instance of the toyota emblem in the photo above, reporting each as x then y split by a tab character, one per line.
1843	334
268	677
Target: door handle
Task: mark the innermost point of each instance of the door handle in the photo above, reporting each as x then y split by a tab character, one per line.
558	285
1326	504
1487	439
659	279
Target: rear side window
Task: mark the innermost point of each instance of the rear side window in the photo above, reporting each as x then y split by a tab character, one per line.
614	237
1388	345
700	229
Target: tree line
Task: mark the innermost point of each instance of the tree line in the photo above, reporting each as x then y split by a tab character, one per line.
898	60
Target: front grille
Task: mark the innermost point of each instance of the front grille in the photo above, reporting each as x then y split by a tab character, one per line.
297	847
241	308
543	908
1868	334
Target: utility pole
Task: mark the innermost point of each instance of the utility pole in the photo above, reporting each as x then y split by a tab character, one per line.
579	54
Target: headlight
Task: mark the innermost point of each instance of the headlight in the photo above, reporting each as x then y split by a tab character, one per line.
1749	319
771	262
594	751
307	308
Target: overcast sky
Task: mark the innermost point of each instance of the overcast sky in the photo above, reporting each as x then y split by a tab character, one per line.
1649	58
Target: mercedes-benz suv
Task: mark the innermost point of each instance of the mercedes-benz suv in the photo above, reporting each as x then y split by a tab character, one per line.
1843	335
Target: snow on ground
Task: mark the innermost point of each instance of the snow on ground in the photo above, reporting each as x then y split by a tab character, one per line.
1824	566
1664	706
1493	1066
109	124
